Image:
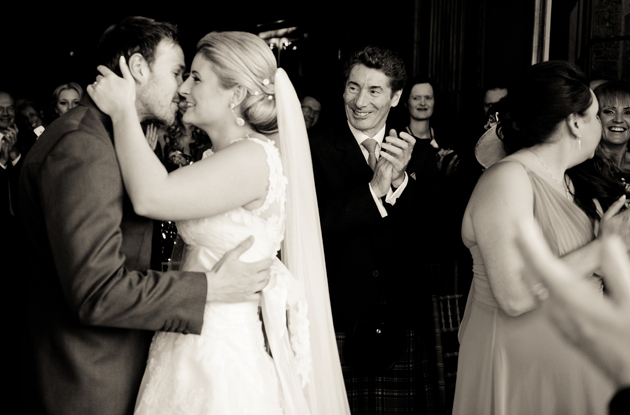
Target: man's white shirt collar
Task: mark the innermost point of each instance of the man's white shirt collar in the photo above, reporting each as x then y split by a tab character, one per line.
361	136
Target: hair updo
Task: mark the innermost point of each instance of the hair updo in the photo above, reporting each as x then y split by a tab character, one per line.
545	95
242	58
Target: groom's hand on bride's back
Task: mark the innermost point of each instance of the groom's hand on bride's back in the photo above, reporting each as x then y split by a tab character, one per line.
234	281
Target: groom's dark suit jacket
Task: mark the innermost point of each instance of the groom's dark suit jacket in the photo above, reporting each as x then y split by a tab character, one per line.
91	303
368	258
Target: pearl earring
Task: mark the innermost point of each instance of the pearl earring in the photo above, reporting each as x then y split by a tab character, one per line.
239	121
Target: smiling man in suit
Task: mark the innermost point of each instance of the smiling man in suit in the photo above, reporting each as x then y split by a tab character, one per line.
368	204
91	303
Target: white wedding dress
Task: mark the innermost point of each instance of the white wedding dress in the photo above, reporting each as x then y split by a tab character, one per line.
226	369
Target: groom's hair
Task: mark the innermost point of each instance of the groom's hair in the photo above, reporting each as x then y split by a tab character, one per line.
133	34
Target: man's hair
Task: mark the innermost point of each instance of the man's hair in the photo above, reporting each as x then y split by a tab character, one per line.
384	60
7	94
133	34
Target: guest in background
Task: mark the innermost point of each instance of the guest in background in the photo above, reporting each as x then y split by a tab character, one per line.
419	99
16	140
447	191
494	114
30	114
606	176
7	113
10	161
29	120
368	203
492	94
614	113
184	143
486	150
65	97
511	360
311	108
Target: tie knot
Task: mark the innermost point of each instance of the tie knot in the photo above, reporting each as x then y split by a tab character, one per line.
370	145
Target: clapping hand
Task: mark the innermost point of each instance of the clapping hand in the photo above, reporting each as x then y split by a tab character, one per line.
615	222
4	151
597	325
115	96
398	152
8	148
152	136
382	178
451	165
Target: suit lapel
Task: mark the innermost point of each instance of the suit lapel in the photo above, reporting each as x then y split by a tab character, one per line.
351	155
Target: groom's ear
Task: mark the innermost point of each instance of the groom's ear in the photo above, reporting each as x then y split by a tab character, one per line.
138	67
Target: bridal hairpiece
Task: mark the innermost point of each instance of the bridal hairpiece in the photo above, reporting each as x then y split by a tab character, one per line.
265	82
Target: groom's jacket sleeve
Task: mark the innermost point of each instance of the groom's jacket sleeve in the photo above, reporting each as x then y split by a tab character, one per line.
101	248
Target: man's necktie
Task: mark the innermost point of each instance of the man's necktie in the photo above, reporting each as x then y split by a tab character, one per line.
370	145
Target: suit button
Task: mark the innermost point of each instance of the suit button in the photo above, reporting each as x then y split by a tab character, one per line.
375	273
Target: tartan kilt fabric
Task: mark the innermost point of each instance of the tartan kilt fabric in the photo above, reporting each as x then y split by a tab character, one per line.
407	387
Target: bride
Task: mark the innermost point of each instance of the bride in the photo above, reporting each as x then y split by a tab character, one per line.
244	186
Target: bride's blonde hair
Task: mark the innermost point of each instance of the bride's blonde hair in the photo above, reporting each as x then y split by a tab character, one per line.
242	58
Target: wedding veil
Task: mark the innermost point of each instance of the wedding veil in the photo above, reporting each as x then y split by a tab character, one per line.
303	253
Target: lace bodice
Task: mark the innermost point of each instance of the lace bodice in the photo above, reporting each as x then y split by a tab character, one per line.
208	239
226	368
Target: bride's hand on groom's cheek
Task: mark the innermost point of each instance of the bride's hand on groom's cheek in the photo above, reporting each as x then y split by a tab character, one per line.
115	96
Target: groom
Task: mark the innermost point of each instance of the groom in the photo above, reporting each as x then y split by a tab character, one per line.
92	304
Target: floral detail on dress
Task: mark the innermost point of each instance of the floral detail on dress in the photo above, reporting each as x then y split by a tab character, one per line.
301	340
226	369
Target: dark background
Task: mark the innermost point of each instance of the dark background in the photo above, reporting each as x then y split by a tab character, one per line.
44	46
464	45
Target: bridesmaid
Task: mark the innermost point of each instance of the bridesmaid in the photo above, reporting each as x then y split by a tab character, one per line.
512	360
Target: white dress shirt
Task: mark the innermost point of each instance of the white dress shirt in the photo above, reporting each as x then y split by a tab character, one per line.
391	196
14	162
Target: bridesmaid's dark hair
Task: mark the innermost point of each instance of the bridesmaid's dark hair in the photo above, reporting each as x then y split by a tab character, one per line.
543	97
540	99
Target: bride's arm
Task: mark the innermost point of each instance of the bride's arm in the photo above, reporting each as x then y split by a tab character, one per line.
233	177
